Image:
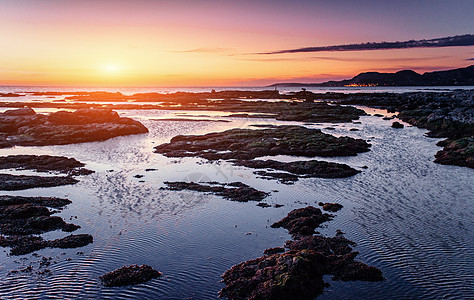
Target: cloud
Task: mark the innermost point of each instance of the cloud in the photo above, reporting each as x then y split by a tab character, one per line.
450	41
470	58
204	50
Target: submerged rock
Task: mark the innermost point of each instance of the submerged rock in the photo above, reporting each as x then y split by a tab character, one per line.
128	275
24	127
246	144
235	191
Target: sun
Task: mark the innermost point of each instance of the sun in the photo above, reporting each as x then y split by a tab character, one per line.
110	69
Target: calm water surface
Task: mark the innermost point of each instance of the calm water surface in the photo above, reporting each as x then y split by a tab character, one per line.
409	217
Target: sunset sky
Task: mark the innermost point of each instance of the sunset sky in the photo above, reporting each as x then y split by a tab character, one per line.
220	43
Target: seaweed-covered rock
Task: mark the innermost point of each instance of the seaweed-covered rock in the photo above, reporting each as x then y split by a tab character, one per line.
459	152
246	144
129	275
302	221
235	191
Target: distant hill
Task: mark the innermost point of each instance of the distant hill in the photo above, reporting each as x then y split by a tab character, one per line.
462	76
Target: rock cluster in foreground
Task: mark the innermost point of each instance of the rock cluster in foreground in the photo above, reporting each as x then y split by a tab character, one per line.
129	275
22	218
24	127
297	273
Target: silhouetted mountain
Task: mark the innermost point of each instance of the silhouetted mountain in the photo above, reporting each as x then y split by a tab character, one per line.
462	76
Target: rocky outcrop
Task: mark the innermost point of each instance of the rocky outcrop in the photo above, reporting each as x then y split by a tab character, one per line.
24	127
297	273
444	114
246	144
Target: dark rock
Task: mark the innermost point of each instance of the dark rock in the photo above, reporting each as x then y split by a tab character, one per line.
129	275
22	216
298	273
235	191
445	114
44	163
244	144
397	125
21	182
263	204
302	221
138	176
71	241
275	250
332	207
310	168
458	152
353	129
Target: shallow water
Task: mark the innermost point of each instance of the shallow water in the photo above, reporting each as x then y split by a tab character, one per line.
410	217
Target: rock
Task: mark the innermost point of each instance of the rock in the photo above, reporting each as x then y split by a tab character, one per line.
302	221
445	114
263	204
297	273
309	168
397	125
22	216
44	163
24	127
235	191
129	275
459	152
275	250
21	182
245	144
332	207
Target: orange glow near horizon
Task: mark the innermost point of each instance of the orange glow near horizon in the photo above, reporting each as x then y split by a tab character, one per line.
168	46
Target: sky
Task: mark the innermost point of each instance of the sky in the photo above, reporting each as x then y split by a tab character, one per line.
221	43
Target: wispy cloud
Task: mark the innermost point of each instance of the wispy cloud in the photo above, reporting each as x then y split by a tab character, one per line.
451	41
470	58
204	50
